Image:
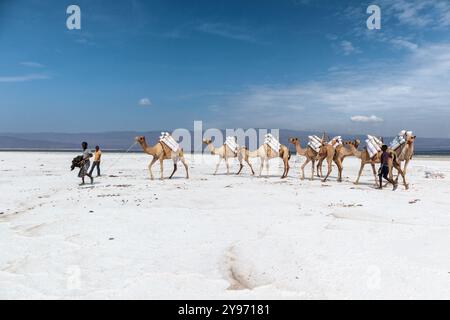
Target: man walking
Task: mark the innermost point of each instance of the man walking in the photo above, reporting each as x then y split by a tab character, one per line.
97	160
85	163
384	169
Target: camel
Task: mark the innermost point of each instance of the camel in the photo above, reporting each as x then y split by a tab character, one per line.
405	153
365	159
162	152
340	153
224	152
265	153
325	152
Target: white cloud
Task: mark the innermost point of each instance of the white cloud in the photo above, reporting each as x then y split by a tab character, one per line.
371	118
145	102
348	47
32	64
229	31
419	13
403	43
28	77
412	93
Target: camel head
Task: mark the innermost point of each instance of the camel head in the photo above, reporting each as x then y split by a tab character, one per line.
140	139
410	140
207	141
294	140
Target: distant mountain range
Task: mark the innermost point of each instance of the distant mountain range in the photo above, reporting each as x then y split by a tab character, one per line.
121	141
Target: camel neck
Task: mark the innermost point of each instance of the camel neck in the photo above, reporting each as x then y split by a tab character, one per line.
355	151
299	149
211	148
147	148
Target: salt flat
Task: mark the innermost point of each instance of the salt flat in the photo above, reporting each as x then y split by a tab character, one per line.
221	236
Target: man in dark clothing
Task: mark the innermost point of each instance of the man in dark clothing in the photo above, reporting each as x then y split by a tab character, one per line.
384	169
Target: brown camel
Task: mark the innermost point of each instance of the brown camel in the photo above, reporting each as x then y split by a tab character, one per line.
162	152
265	153
325	152
224	152
340	153
365	159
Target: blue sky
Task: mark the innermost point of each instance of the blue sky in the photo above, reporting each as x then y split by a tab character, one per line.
294	64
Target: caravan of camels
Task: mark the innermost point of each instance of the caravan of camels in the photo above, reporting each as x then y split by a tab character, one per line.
400	151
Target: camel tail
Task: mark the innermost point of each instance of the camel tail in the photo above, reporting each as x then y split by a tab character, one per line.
289	154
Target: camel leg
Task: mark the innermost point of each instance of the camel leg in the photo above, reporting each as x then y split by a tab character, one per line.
250	165
161	165
374	173
262	166
174	169
392	177
400	171
228	166
267	167
319	168
150	167
404	168
340	168
330	167
303	169
183	161
240	166
286	168
217	166
312	169
360	173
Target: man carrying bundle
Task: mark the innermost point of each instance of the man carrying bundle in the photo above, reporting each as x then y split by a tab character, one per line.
384	168
85	163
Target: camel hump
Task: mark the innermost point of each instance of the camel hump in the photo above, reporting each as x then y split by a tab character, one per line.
166	149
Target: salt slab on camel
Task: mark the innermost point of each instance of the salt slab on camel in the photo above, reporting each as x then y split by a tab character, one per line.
232	144
335	142
373	145
272	142
169	141
315	143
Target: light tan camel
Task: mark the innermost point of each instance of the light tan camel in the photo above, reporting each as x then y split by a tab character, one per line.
340	153
224	152
365	159
309	153
325	152
405	153
162	152
265	153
